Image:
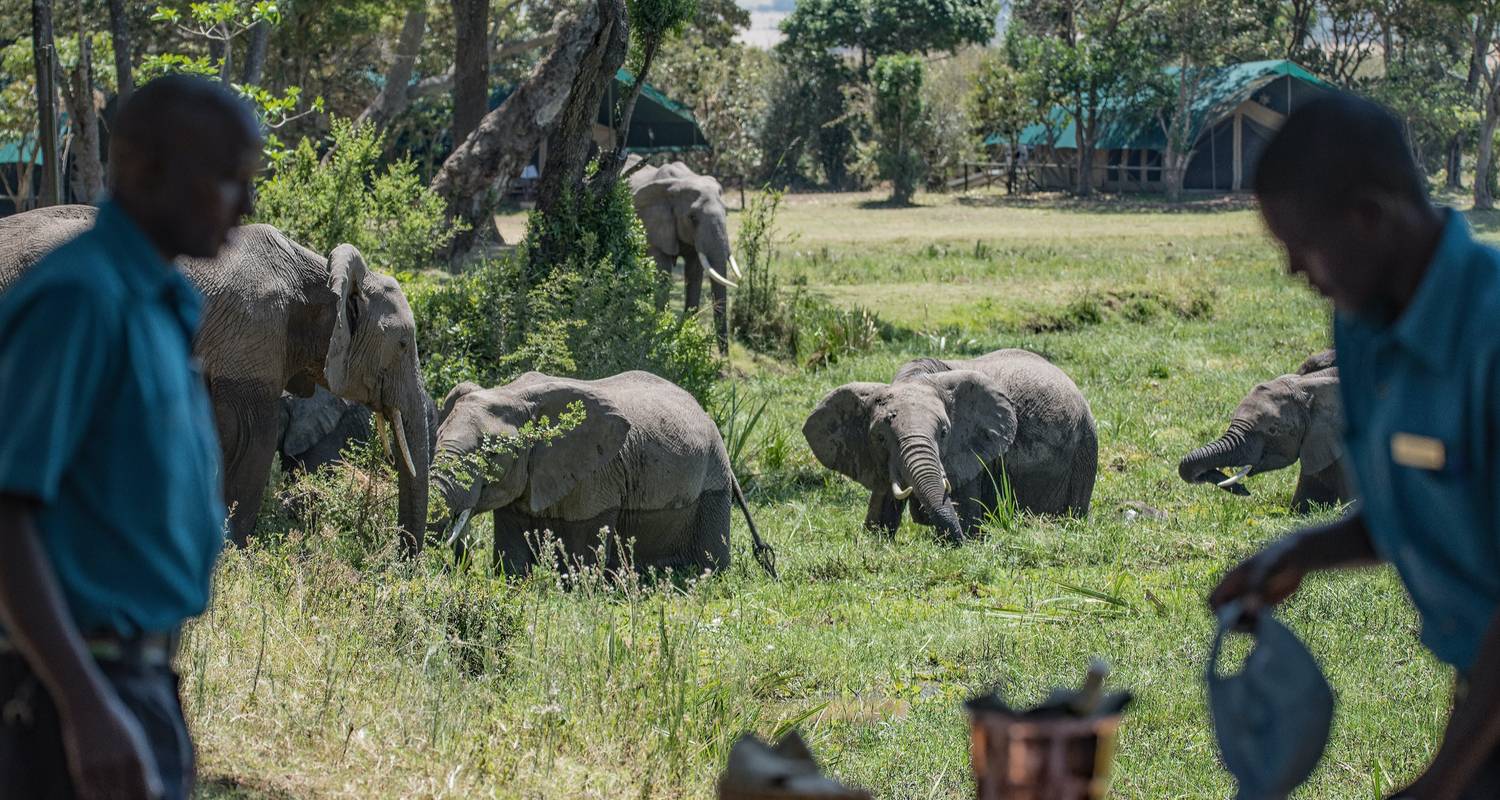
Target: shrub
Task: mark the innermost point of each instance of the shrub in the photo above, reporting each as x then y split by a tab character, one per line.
899	116
760	316
589	314
391	216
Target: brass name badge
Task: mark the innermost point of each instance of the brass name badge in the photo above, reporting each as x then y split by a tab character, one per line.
1418	452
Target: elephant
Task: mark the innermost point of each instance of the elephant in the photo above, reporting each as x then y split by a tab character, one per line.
645	462
316	430
683	214
1296	417
950	434
280	317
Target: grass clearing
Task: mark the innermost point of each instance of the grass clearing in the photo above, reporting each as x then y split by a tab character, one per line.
309	678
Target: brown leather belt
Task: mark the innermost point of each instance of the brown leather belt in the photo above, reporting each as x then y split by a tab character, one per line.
150	649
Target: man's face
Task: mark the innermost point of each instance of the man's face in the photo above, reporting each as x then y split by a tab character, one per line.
1341	253
209	192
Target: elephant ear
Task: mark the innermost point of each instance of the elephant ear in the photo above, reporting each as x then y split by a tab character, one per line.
308	421
556	467
982	423
346	277
839	434
1322	445
653	204
458	392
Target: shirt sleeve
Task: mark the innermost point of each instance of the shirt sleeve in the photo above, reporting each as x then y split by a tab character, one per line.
55	348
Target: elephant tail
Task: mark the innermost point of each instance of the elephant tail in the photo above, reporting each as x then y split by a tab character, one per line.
763	552
1085	469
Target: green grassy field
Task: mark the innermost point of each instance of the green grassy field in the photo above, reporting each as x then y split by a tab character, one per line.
317	676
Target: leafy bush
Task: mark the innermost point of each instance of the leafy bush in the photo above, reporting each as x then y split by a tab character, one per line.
391	216
589	314
899	116
761	316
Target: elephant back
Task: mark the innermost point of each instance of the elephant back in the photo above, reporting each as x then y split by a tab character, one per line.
25	238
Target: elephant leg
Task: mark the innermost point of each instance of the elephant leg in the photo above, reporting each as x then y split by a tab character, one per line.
711	531
247	423
721	315
1323	488
513	553
692	275
883	515
976	501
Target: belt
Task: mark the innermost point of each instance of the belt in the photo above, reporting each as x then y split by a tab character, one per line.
149	649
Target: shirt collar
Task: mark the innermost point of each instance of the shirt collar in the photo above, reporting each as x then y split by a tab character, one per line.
141	266
1428	328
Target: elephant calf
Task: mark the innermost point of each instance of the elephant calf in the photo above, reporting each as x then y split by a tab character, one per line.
646	462
951	433
1294	417
316	430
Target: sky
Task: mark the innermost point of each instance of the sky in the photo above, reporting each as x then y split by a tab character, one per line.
765	16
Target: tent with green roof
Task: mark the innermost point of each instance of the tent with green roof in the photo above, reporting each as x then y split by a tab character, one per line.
1238	108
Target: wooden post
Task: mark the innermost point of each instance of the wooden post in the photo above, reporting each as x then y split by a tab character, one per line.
742	192
1239	166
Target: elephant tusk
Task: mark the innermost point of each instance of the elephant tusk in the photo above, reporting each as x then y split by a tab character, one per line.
458	527
1236	478
401	440
714	275
947	487
734	268
385	443
900	494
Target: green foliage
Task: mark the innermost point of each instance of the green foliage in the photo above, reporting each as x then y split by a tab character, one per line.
997	100
761	316
737	418
589	314
653	22
464	469
809	132
899	116
727	84
390	215
879	27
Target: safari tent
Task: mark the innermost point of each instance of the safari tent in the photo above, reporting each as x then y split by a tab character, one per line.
1238	109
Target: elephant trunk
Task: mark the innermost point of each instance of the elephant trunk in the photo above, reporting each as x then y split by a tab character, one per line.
923	466
413	464
1238	446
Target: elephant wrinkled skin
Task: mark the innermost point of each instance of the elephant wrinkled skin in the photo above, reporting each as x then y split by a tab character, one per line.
645	462
684	215
1291	418
279	316
950	434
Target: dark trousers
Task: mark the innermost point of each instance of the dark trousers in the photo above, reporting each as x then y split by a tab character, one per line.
32	761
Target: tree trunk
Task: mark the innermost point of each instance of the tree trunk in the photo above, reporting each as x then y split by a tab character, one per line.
471	66
1455	162
508	136
394	95
1483	198
87	178
119	31
570	144
45	58
255	54
616	159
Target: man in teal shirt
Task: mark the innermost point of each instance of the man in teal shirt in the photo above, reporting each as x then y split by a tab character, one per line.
1417	332
111	517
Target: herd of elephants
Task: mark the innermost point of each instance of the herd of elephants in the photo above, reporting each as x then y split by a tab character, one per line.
304	353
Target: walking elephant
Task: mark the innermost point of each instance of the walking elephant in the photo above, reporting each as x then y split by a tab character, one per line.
951	434
1296	417
684	215
279	316
645	462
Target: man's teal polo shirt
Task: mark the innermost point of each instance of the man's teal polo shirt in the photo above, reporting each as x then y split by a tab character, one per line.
1422	416
105	421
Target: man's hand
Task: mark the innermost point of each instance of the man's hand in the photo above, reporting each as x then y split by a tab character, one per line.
108	755
1262	580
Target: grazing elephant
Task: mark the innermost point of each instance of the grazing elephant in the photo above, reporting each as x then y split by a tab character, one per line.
1294	417
646	462
315	430
683	214
279	316
951	433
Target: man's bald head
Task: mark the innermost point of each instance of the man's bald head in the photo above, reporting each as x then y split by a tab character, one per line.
183	151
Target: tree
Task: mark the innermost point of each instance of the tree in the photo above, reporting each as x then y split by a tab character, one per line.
471	66
1486	58
877	27
898	116
651	23
44	55
725	83
87	176
119	29
394	92
997	103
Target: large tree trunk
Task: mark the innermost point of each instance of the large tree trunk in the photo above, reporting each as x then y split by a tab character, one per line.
255	54
1483	198
508	136
119	31
45	58
471	66
395	95
87	178
570	144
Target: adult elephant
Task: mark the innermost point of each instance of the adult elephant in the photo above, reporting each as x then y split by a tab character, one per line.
1296	417
684	215
316	430
950	434
645	462
279	316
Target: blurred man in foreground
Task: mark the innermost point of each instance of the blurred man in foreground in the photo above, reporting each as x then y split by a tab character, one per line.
1417	331
111	517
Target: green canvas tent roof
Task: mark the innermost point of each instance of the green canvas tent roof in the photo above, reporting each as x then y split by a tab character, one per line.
1220	92
20	152
659	123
